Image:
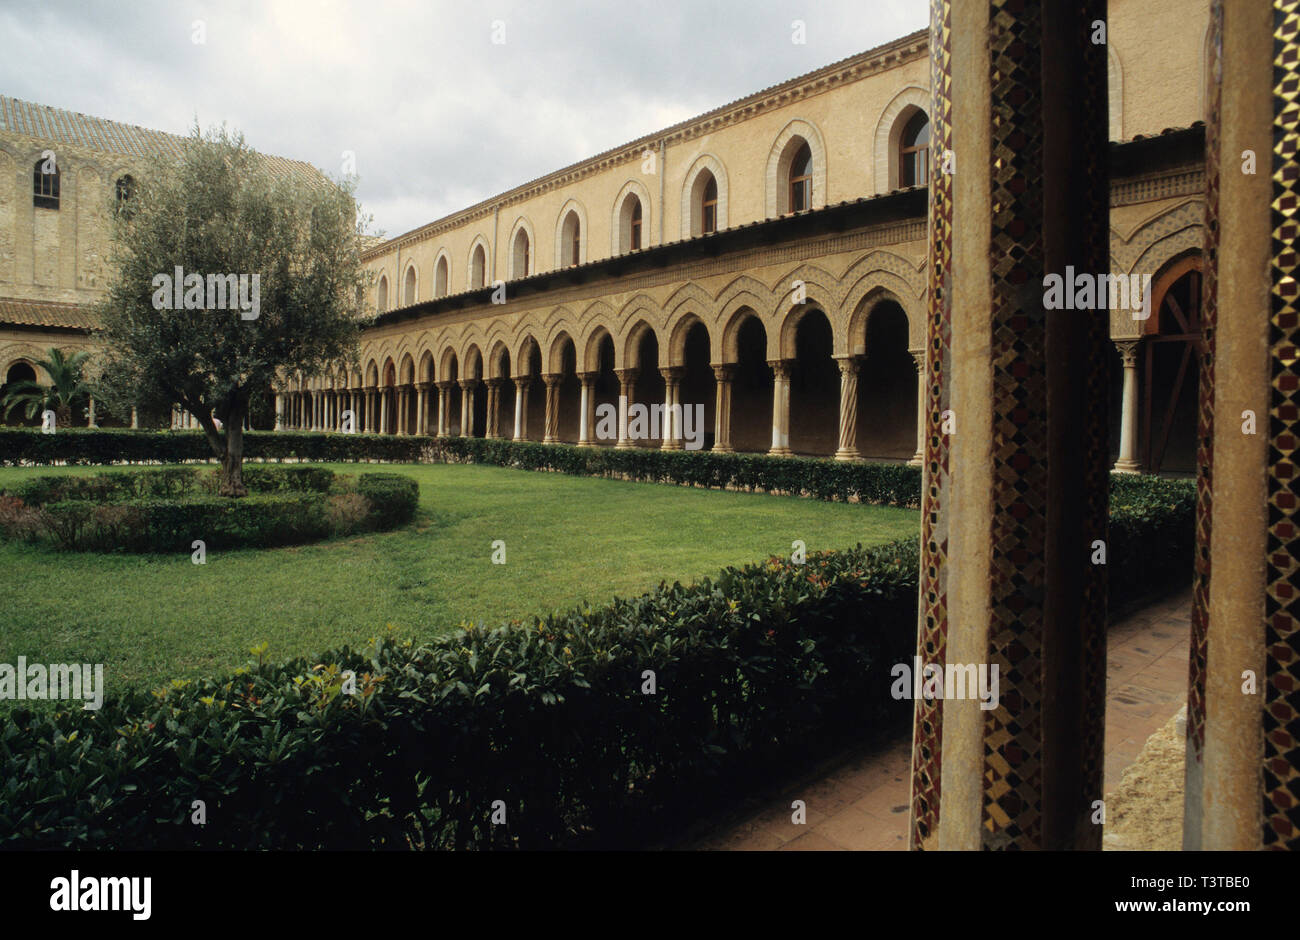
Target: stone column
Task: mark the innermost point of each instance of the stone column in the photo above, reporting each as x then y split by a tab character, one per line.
135	417
467	407
90	417
918	459
724	375
1015	499
587	412
1128	426
672	426
521	406
780	407
316	423
422	409
848	449
1242	758
443	417
626	388
383	399
552	432
493	394
368	396
279	413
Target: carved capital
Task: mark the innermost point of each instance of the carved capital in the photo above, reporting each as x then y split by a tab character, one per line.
1128	353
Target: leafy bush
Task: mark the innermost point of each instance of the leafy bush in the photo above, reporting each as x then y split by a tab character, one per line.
166	510
392	498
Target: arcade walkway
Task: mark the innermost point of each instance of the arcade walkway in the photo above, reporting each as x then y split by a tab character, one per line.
862	803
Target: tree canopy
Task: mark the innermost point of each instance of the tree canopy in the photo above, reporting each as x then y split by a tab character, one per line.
226	276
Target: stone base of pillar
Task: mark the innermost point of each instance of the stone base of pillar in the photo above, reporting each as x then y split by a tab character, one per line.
672	445
848	454
625	445
918	460
722	449
780	452
1127	466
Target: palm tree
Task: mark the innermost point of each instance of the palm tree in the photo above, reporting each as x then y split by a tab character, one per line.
66	384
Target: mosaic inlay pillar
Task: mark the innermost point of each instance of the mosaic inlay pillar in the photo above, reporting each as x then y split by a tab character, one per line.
552	431
1016	476
848	449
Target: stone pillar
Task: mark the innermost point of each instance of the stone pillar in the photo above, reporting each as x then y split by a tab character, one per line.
443	417
848	449
521	406
1128	426
918	356
279	413
493	402
780	407
315	410
1242	759
422	409
384	394
552	432
723	375
587	412
90	417
135	417
626	387
672	423
1015	500
467	407
368	396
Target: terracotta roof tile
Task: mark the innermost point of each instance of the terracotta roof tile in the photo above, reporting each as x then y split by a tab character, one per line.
46	313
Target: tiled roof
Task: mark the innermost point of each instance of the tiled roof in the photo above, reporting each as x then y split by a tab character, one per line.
45	123
46	313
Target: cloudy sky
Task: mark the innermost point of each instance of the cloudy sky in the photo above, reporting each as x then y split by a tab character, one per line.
438	115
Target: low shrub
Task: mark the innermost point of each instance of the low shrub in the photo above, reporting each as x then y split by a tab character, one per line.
167	510
392	497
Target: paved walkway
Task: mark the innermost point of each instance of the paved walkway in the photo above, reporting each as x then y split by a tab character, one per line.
863	803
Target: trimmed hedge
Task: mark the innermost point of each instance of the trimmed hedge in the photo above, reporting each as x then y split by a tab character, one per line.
751	668
754	669
166	510
887	484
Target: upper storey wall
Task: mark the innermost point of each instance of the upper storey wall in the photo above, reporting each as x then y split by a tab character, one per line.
852	125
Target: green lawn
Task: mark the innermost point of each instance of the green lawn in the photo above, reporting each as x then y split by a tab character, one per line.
568	540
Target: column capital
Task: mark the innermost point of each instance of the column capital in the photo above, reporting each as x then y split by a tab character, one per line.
444	385
494	382
552	379
588	378
522	381
918	356
423	386
1128	351
781	368
468	384
627	375
724	372
849	365
673	373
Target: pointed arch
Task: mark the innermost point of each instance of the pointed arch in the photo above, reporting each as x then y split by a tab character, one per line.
794	135
889	131
692	195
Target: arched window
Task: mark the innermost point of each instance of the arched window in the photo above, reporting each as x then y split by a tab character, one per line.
478	268
801	179
381	302
440	277
630	224
125	190
45	184
521	260
914	151
409	290
571	240
709	205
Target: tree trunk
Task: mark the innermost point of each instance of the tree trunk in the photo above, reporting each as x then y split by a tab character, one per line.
232	461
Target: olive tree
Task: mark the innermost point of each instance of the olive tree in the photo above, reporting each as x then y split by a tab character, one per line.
226	273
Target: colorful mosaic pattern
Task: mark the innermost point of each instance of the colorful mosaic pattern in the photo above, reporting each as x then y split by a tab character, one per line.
1282	588
1196	665
1094	191
932	632
1012	786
